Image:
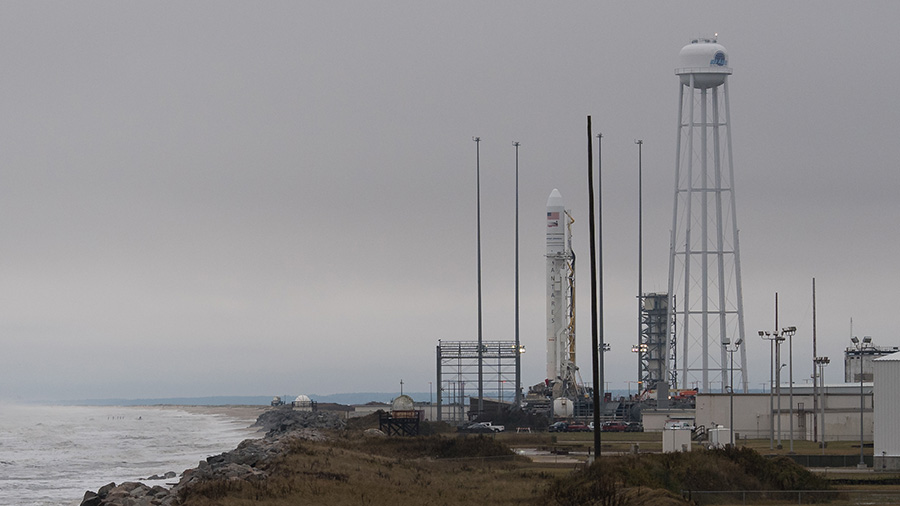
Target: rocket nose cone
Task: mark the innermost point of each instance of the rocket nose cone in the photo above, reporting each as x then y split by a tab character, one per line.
555	199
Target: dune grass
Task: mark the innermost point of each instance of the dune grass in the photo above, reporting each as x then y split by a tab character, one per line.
448	469
432	470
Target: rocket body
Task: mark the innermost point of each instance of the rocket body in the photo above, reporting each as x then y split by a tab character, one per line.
556	305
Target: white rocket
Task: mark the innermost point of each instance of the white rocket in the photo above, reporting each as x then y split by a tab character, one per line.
557	335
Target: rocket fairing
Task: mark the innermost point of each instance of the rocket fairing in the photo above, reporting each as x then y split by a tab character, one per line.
556	279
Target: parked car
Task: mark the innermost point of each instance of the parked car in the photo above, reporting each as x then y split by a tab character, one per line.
613	427
476	428
558	427
634	427
679	424
486	427
578	427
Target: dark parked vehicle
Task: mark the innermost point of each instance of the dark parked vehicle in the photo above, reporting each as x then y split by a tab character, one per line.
634	427
558	427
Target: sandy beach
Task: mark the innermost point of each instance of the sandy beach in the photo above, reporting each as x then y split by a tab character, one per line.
242	413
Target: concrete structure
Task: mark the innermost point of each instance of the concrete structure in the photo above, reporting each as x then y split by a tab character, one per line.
887	412
704	288
753	420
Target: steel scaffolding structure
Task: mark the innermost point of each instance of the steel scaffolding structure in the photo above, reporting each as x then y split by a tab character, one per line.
457	369
655	340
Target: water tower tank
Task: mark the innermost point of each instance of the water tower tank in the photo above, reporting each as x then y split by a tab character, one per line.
704	59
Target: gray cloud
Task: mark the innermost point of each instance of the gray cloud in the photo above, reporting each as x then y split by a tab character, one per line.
229	198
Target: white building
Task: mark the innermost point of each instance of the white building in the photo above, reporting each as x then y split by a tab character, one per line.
303	403
887	412
756	418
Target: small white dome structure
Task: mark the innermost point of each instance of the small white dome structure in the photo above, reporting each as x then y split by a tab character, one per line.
303	403
706	61
403	403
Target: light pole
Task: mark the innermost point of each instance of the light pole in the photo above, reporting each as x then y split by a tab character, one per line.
642	348
822	362
776	338
790	331
859	353
518	397
731	350
478	233
768	336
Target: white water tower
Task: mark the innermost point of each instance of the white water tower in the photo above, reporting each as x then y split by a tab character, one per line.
705	301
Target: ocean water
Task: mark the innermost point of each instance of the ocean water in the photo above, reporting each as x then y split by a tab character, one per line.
51	455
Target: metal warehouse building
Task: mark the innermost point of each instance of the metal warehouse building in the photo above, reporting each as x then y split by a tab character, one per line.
887	412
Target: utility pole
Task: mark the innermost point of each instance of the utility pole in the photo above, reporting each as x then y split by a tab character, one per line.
640	294
815	369
518	397
478	215
596	358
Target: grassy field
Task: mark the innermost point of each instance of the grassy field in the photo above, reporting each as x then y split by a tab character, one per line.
449	469
624	442
354	470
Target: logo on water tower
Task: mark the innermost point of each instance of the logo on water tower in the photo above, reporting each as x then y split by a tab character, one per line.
719	59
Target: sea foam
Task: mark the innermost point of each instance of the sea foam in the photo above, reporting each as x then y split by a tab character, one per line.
50	455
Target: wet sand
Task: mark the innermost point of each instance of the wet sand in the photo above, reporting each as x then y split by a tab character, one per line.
242	413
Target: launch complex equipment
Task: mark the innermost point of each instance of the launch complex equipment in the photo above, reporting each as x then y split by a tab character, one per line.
705	296
457	370
684	333
655	341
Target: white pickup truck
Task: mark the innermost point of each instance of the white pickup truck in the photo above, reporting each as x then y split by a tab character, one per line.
486	426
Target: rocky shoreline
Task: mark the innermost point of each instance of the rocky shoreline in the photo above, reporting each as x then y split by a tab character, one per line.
282	425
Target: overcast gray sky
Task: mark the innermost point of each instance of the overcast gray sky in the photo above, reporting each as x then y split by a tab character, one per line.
235	198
